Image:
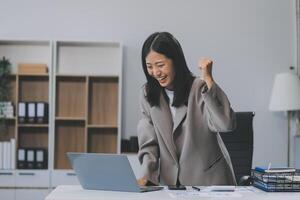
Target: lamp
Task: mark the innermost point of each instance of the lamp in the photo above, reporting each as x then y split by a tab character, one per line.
286	97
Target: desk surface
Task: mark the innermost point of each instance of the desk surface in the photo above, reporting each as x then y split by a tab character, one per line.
75	192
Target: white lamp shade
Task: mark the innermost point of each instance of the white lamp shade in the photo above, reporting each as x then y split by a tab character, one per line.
286	93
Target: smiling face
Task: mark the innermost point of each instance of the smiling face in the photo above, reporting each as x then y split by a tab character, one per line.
161	68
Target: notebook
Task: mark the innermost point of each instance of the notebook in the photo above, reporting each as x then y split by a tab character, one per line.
96	171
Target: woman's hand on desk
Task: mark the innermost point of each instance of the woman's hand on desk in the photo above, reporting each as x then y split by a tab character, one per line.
142	181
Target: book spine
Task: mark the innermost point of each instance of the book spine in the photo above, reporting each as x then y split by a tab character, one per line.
22	107
5	155
30	159
13	153
31	112
21	159
1	155
8	157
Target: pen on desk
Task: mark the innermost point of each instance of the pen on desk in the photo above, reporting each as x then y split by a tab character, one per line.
196	188
269	166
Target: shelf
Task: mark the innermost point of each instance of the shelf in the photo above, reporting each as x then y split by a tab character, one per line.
103	100
33	75
87	57
83	44
27	88
34	89
69	137
34	125
25	43
62	75
13	88
21	51
9	132
82	89
106	76
69	119
36	137
71	97
103	126
70	76
10	118
102	140
130	153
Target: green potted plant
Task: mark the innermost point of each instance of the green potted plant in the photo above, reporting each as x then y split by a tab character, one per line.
5	69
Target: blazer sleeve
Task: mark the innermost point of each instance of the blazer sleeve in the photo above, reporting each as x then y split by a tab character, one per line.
220	115
148	154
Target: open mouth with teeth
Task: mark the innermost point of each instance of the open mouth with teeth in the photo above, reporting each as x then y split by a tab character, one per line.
161	78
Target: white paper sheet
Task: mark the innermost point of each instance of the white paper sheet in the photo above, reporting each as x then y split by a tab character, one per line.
208	192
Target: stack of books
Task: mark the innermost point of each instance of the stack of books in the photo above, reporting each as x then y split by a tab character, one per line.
6	109
276	179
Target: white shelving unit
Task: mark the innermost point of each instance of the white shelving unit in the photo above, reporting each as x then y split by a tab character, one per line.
87	69
95	68
21	51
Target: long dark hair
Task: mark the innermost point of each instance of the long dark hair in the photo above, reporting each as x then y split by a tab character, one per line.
166	44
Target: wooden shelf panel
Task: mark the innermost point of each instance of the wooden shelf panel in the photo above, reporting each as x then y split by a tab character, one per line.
34	125
69	137
10	118
71	97
29	137
13	88
69	118
34	89
102	140
9	132
102	126
66	76
103	101
33	75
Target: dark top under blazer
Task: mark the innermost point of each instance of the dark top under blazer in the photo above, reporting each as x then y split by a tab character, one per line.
203	158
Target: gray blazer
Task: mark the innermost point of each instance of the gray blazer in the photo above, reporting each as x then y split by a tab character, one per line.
190	148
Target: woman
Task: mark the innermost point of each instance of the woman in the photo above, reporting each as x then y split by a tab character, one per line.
181	117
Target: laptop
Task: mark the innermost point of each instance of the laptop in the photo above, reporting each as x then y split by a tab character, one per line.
97	171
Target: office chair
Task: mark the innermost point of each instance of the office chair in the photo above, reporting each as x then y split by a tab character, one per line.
239	144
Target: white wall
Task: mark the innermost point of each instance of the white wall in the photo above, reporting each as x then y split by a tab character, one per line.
250	41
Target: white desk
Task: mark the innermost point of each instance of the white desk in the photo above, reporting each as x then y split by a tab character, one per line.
75	192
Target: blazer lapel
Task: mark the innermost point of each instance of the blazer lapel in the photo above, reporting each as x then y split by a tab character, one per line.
162	118
179	116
